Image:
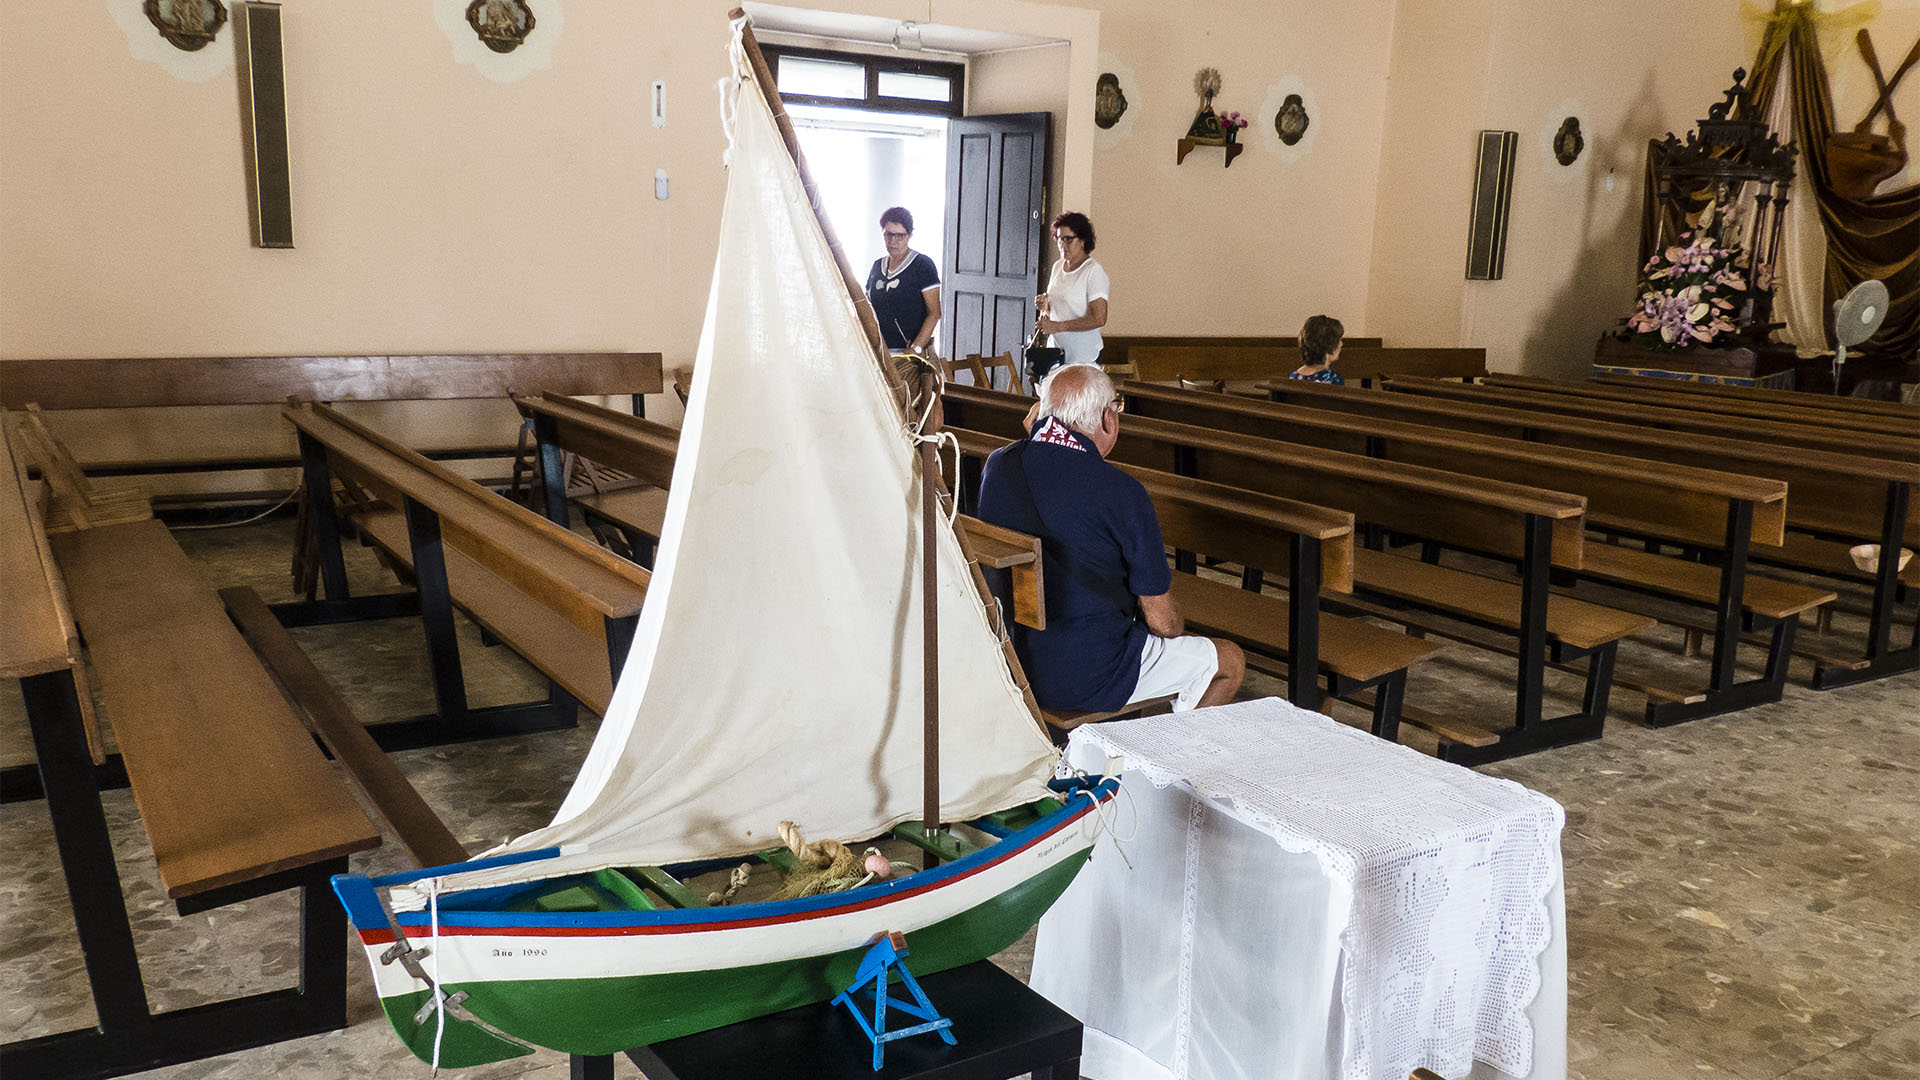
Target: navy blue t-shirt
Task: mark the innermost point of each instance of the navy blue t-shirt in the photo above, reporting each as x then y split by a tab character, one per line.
1100	541
900	301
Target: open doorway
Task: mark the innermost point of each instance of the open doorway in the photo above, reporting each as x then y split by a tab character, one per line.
874	130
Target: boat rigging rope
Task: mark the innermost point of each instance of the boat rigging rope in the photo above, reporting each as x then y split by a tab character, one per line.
432	886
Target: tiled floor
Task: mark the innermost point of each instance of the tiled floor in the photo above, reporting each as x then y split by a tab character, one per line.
1743	892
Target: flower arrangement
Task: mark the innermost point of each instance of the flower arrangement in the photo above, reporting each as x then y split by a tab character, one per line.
1231	123
1688	292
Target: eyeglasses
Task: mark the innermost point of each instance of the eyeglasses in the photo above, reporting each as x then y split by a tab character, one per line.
1118	404
891	235
1065	237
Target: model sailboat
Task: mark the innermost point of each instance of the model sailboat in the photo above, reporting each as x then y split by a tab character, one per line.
776	674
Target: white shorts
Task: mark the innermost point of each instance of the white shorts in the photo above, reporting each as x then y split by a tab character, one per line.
1182	666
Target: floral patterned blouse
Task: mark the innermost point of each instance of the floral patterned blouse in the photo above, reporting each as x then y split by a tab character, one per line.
1326	375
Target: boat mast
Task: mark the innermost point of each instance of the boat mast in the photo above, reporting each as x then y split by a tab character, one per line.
929	464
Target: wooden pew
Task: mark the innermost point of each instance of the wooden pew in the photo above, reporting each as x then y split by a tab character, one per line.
1682	390
646	449
563	603
163	382
1811	436
1359	363
1311	544
1835	497
1699	508
1537	528
1117	349
1907	426
236	798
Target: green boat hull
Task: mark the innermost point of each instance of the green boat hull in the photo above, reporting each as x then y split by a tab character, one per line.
607	1016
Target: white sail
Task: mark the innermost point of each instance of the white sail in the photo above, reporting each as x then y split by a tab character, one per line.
776	670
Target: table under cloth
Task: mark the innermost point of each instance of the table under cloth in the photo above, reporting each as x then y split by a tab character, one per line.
1294	898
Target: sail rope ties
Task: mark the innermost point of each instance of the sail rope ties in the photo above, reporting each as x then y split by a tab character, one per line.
1104	824
438	1002
916	429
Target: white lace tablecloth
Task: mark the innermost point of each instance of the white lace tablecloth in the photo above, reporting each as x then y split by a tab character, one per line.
1296	898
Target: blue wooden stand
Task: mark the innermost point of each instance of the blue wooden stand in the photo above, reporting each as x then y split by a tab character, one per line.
875	968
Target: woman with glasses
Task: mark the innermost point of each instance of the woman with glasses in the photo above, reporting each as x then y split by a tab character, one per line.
1074	307
904	287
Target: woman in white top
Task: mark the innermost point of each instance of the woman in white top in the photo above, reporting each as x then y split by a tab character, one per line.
1074	307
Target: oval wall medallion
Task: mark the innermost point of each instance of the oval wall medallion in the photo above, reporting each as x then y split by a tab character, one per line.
1567	142
504	40
189	25
1290	122
1118	98
502	25
1109	101
145	42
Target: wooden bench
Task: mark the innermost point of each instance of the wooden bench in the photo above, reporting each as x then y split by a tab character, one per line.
566	605
236	798
1359	363
249	439
1698	507
1308	543
1791	413
1682	391
1811	436
1539	529
1835	497
647	450
1116	350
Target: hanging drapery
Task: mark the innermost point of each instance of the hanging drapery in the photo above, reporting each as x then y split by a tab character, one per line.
1877	237
1863	239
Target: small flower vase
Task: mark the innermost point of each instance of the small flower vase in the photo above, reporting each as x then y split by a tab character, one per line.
1232	134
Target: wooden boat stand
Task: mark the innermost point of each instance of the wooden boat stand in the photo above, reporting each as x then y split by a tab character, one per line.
129	1036
1004	1030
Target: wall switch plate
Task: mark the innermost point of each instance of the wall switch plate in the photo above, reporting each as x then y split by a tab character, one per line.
660	184
659	105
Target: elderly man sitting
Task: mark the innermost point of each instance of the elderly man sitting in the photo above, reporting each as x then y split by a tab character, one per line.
1114	632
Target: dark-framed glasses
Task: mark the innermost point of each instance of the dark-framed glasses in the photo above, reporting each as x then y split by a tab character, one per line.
894	235
1065	237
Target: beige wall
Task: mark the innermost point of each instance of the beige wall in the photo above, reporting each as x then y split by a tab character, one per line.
1572	242
1026	80
438	210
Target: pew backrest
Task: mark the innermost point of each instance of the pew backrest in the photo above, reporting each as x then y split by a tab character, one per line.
1679	502
577	579
1838	494
119	383
1358	362
1469	512
1759	410
1231	523
1779	433
1682	389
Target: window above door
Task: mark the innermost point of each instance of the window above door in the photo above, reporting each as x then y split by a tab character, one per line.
877	83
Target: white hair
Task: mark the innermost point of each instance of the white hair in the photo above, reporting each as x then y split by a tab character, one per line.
1077	395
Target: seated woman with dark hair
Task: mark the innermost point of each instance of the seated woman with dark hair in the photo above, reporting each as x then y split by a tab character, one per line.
1320	341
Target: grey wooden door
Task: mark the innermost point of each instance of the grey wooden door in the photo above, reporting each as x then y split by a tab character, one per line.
995	231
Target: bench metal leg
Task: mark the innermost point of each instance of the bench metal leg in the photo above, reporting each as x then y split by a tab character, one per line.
1768	688
1386	705
1882	658
1303	621
318	479
436	611
580	1067
128	1037
1733	584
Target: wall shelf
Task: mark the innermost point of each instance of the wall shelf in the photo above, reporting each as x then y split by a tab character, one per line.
1185	147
